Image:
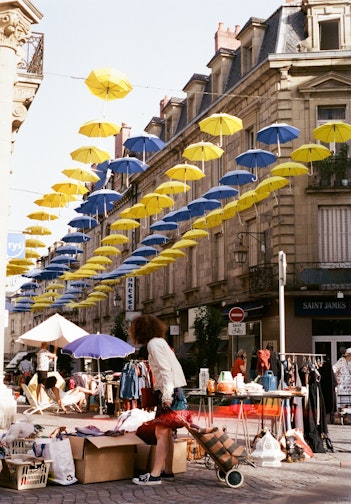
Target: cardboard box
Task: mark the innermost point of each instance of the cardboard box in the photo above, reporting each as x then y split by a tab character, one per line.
104	458
145	455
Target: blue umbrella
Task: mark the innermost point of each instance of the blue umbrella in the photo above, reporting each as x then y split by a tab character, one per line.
75	237
29	285
74	290
238	178
30	293
256	158
67	297
181	215
68	249
63	259
145	251
163	225
56	267
144	143
83	222
200	206
80	283
127	165
220	192
155	239
101	171
136	260
48	275
24	300
277	134
98	346
100	202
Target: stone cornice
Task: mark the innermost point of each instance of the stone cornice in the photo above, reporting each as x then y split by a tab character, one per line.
14	29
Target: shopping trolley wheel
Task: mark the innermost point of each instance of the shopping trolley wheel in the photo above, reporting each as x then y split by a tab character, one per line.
220	475
234	478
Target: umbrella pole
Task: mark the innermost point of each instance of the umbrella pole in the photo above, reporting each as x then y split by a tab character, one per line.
100	415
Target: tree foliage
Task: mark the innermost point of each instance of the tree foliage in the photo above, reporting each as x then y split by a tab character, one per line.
120	328
208	326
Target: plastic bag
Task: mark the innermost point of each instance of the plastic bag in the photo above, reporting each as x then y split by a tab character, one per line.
62	469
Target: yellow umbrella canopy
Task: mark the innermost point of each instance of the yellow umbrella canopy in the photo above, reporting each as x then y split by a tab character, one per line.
333	131
48	294
55	286
124	224
12	269
70	188
31	253
137	211
251	198
34	243
97	128
83	175
90	155
289	169
271	184
98	294
212	219
202	151
107	250
55	199
221	124
194	234
172	187
103	288
176	253
99	259
111	281
108	83
37	230
185	243
115	239
155	202
162	260
92	266
185	172
21	261
307	153
42	216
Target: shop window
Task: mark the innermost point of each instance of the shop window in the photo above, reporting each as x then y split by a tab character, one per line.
329	35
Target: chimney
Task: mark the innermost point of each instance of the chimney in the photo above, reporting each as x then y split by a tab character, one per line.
163	103
120	139
226	39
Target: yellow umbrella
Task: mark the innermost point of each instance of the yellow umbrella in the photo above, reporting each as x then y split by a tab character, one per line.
13	269
137	211
103	288
194	234
124	224
91	266
87	303
98	294
97	128
70	188
221	124
172	187
111	281
155	202
83	273
90	155
48	294
83	175
107	250
251	198
185	172
108	83
31	253
308	153
55	199
212	219
40	306
176	253
162	260
99	259
21	261
184	243
289	169
115	239
272	184
42	216
34	243
202	151
37	230
333	131
55	286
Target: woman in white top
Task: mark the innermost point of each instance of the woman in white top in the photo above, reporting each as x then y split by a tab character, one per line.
168	380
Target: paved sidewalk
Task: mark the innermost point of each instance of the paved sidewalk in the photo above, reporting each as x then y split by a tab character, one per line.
324	479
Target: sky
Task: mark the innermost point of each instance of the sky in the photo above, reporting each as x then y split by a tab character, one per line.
158	44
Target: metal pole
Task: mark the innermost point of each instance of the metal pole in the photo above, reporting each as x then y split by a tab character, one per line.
282	282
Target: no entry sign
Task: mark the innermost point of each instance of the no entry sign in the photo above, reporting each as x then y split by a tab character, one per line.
236	314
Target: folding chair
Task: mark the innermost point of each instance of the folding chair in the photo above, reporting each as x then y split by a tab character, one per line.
67	404
35	407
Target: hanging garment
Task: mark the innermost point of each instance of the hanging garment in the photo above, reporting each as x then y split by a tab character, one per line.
129	385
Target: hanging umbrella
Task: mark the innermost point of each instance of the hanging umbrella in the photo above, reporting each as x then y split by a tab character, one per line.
98	295
308	153
289	169
90	155
155	239
107	250
155	202
176	253
184	243
124	224
21	261
251	198
194	234
75	238
185	172
181	215
272	184
127	165
104	195
108	83
55	286
70	188
256	158
136	259
172	187
95	207
56	267
34	243
31	253
115	239
99	129
212	219
220	192
103	288
37	230
83	222
98	346
99	259
137	211
55	200
80	283
277	133
202	151
333	131
200	206
69	249
145	251
29	286
42	216
163	260
92	267
63	259
238	178
83	175
162	225
221	124
144	143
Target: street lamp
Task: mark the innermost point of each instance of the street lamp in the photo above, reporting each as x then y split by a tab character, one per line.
241	251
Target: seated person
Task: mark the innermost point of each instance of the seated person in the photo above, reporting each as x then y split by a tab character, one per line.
73	396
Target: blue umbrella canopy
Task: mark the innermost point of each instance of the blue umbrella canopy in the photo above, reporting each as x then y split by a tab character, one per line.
220	192
63	259
99	202
155	239
80	283
98	346
145	251
77	237
56	267
144	143
277	133
183	214
163	225
29	286
255	158
83	222
136	260
68	249
200	206
128	165
238	178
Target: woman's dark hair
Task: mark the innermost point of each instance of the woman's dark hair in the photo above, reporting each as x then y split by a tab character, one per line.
146	327
50	382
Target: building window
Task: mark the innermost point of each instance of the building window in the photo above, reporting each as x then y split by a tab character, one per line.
250	138
329	35
334	238
12	326
247	58
192	268
331	113
218	257
168	279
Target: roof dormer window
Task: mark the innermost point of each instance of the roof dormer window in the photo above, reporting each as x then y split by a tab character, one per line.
329	35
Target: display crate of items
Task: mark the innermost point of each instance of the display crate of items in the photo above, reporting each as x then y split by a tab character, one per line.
23	472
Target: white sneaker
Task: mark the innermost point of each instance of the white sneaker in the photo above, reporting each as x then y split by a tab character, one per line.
147	479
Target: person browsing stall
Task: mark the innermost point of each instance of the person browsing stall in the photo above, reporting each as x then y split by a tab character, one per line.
240	364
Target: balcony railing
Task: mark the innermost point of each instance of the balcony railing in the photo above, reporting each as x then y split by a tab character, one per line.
33	61
301	276
333	172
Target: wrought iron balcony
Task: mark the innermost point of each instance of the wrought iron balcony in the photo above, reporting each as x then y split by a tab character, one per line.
333	172
300	276
33	61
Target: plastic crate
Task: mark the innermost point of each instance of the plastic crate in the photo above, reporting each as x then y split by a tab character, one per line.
23	472
21	447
